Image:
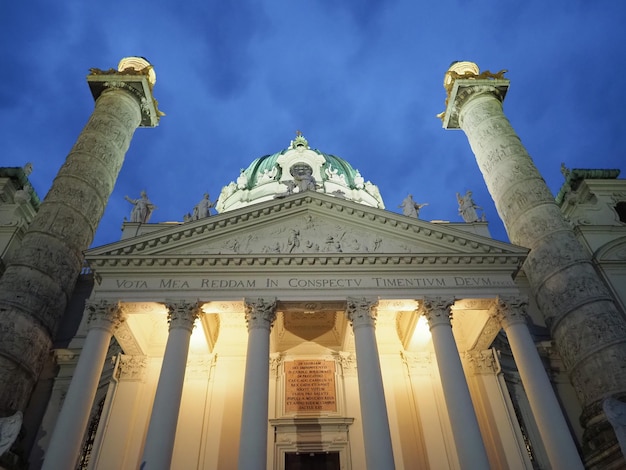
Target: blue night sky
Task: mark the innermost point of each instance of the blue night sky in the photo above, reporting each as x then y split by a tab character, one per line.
361	79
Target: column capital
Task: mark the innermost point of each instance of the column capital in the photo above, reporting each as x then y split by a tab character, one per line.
134	75
361	311
260	313
104	314
510	310
182	314
463	81
437	310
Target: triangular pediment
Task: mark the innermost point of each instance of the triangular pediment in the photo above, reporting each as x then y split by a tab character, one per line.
306	225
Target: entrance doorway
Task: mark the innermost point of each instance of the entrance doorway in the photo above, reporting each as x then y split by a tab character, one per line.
312	461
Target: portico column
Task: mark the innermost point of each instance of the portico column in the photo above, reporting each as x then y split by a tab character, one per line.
378	450
64	447
557	438
465	429
260	315
157	452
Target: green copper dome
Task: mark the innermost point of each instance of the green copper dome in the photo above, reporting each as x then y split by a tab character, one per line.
293	170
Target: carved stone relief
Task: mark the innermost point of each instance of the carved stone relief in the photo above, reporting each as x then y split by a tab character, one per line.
131	368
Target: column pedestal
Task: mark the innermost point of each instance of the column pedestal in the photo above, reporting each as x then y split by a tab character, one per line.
64	448
376	433
465	429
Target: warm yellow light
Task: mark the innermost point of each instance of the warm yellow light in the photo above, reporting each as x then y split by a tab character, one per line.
198	343
421	334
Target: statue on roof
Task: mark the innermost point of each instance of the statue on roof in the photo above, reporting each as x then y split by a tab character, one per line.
303	177
242	180
202	209
467	208
410	208
143	208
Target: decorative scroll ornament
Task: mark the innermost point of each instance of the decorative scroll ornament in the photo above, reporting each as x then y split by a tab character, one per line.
437	310
509	310
260	313
104	314
299	142
347	361
481	362
361	311
182	314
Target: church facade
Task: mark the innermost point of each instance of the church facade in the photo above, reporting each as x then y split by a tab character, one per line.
304	326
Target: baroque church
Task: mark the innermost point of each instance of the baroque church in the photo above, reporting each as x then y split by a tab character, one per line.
304	326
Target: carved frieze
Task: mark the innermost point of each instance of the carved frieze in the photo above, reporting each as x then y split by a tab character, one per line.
480	362
347	361
131	368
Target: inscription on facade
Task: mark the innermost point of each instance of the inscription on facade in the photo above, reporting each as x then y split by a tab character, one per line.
310	386
313	283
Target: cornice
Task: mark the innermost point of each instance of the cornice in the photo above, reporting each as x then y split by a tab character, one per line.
442	261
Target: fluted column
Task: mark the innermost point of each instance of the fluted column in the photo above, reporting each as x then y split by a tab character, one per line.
40	277
159	446
260	315
64	448
378	450
557	438
587	328
465	429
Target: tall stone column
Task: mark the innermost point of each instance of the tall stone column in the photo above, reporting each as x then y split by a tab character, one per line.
159	446
588	330
260	315
64	448
377	436
465	429
39	279
557	438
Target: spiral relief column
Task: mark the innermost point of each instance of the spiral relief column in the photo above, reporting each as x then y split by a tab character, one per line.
588	330
39	279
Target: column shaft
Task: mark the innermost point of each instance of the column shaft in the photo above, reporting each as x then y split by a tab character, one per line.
64	448
465	428
555	433
159	446
376	433
588	330
39	279
260	315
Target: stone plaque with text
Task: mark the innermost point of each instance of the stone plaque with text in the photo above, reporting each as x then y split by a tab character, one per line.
310	386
